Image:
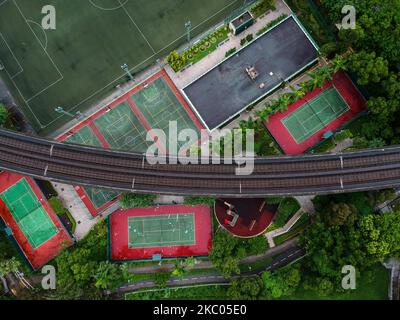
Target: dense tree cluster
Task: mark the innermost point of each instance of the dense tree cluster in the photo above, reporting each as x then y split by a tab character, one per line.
374	57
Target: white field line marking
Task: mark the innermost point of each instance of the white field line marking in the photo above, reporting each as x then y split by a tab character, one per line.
137	27
44	32
15	58
134	67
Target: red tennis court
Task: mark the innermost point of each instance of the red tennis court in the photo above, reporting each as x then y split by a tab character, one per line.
325	109
166	232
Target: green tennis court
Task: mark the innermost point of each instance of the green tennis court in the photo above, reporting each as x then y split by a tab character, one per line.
159	106
161	231
315	114
122	129
29	213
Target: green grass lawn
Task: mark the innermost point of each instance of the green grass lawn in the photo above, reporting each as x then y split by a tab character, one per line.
44	67
375	290
201	292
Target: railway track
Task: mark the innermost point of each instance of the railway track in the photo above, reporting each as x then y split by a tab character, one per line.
295	175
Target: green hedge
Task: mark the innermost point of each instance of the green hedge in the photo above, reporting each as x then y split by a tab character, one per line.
287	208
271	24
230	52
57	206
262	7
343	135
132	200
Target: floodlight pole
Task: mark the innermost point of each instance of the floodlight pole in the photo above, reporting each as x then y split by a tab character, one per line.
125	67
61	110
188	26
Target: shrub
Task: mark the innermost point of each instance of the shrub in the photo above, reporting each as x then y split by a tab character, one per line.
57	206
343	135
286	209
5	118
263	7
271	24
249	37
132	200
230	52
243	41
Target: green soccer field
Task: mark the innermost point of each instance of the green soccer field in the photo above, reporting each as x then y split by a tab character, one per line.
29	213
315	114
92	39
161	231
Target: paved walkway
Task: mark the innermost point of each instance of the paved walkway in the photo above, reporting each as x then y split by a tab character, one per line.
169	200
279	261
306	203
342	145
168	267
188	75
72	201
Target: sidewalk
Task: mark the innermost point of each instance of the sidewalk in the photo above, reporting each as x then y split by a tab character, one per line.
84	220
182	79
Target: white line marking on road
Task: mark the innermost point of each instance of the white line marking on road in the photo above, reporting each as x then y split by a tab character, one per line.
45	170
51	150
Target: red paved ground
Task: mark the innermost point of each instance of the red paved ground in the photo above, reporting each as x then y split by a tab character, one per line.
126	97
47	251
248	211
120	251
350	94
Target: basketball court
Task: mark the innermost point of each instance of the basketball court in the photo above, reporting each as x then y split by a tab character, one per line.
124	124
42	67
160	232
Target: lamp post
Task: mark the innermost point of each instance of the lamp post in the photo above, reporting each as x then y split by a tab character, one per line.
188	26
125	68
61	110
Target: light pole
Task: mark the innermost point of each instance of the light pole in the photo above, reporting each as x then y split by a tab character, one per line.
61	110
188	26
125	67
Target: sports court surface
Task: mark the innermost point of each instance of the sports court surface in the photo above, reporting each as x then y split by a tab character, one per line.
169	231
36	228
124	124
161	231
325	109
92	39
226	90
